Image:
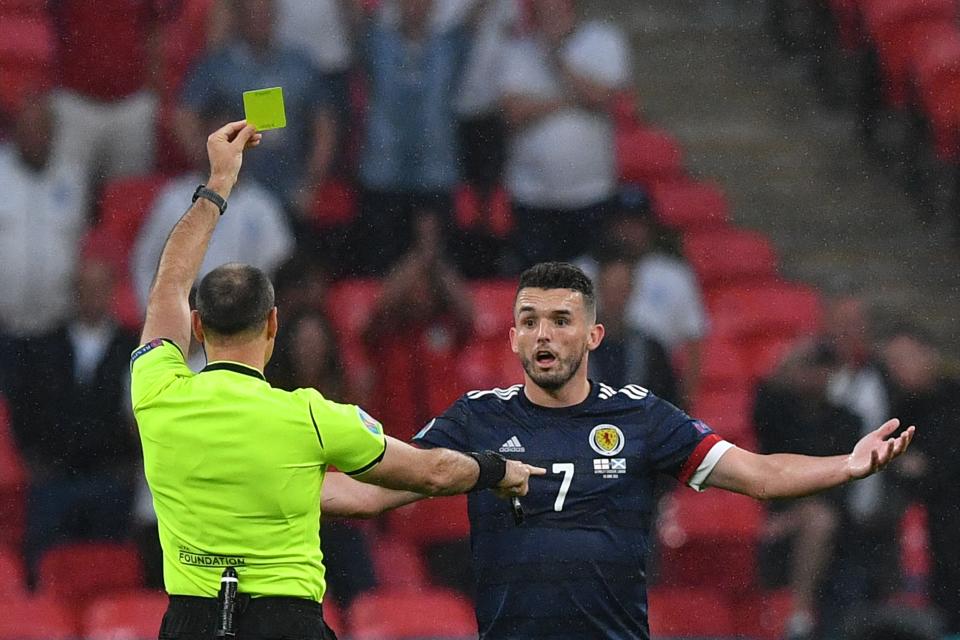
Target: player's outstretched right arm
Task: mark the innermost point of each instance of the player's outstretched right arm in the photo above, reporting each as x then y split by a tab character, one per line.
443	472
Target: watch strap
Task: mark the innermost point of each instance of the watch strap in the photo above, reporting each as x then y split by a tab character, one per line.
211	195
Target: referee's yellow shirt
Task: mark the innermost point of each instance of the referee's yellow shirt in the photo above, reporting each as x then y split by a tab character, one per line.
236	468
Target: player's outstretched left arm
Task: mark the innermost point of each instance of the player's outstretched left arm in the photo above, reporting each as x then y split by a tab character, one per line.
785	475
168	309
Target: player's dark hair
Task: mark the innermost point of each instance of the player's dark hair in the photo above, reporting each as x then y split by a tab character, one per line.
559	275
234	298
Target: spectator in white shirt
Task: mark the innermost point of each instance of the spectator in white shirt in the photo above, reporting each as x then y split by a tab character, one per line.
666	303
42	218
556	86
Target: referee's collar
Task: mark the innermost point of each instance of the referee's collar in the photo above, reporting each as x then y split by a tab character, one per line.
236	367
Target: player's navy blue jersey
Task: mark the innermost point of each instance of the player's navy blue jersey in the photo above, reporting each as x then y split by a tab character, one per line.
576	567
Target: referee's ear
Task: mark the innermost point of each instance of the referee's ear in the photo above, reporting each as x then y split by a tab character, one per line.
273	324
196	325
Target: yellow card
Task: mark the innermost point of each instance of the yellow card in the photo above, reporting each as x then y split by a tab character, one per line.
264	108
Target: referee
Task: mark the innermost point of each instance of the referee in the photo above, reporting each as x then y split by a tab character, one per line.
236	466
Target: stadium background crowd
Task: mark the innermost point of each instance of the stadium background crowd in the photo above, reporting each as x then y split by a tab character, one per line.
433	150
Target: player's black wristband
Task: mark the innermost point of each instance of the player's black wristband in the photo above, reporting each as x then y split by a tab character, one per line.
493	467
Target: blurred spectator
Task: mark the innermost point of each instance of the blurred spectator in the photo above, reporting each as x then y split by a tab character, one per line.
627	355
556	86
482	132
301	285
874	505
254	229
42	217
306	356
108	75
409	155
73	424
425	308
666	303
926	396
290	161
793	414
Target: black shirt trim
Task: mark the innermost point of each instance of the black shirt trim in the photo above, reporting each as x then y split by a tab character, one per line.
235	367
371	464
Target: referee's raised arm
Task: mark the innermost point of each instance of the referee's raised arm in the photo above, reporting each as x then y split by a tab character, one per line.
168	308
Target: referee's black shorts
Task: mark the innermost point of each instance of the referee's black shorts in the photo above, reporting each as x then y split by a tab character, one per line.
267	618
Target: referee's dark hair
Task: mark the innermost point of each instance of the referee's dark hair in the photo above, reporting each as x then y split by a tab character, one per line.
234	298
560	275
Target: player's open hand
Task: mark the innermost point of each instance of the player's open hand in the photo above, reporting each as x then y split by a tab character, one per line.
225	148
516	479
876	449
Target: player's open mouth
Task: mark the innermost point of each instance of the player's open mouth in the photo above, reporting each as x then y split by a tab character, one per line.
545	358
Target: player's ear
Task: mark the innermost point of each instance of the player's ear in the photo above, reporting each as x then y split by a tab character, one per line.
196	325
513	340
595	336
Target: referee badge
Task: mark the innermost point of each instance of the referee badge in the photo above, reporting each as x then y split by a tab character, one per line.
370	422
606	439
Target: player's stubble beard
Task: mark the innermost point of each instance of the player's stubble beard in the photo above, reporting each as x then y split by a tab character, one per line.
560	375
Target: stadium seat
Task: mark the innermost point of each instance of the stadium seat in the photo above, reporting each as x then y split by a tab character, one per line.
721	365
23	8
494	216
493	306
349	304
746	313
333	616
431	521
690	205
762	615
730	256
406	614
13	484
646	156
709	540
77	571
728	412
35	618
335	204
26	57
135	615
690	612
936	77
13	583
398	563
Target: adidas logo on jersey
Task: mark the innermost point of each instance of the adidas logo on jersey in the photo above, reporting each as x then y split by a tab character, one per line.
512	446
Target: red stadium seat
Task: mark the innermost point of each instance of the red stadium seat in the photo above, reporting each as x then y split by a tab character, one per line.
335	204
493	306
895	27
26	58
729	413
398	563
77	571
721	365
13	484
136	614
746	313
495	216
709	540
762	615
13	583
406	614
646	156
690	205
690	612
730	256
35	618
936	76
431	521
333	616
349	304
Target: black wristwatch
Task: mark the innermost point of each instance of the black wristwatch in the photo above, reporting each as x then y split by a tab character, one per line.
212	196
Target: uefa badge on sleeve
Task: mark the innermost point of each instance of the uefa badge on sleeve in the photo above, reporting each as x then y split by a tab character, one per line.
370	422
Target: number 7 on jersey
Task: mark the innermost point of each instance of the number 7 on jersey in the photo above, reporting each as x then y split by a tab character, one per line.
566	468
